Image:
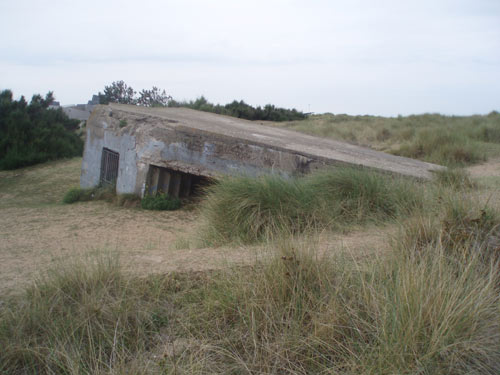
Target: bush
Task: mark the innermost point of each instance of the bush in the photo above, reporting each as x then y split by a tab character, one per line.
160	202
243	110
32	133
250	209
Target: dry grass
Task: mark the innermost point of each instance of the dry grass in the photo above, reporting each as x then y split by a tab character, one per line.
446	140
427	305
298	312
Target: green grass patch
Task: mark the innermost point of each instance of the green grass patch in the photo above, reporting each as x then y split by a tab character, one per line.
160	202
250	209
100	193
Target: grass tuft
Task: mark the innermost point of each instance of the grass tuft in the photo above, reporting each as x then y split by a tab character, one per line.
251	209
462	228
84	317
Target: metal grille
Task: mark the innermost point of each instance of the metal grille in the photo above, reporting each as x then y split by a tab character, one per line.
109	167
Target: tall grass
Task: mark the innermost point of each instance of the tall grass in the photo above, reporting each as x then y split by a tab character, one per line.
446	140
250	209
303	313
297	313
81	318
461	225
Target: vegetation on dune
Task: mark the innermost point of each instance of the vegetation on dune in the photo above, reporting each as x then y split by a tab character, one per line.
446	140
459	225
304	314
430	304
300	313
249	209
82	318
32	133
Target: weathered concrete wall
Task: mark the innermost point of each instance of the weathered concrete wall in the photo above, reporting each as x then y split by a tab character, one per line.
210	145
101	134
207	154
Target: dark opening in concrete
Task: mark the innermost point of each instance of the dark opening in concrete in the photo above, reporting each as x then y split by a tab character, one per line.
174	183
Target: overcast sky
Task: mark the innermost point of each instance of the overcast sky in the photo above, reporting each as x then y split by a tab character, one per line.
380	57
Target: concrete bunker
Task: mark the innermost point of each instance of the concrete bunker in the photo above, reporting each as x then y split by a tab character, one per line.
143	151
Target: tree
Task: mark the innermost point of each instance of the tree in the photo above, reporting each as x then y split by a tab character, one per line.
32	133
153	98
117	92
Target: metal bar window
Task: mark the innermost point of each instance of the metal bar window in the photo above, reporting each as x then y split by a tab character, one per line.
109	167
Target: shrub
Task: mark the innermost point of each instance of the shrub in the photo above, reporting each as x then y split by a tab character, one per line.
32	133
243	110
161	202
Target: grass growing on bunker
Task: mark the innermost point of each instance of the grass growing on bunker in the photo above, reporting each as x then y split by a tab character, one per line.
247	209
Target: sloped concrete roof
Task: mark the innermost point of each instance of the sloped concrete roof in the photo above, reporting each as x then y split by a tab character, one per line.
330	151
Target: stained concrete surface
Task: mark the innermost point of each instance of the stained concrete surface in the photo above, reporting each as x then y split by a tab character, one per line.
212	145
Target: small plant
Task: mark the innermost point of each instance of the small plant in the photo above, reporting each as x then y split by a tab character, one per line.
160	202
123	123
100	193
73	195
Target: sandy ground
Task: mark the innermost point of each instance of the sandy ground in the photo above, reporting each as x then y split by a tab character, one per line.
36	239
37	231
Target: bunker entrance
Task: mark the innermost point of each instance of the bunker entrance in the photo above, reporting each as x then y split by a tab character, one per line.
109	167
174	183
